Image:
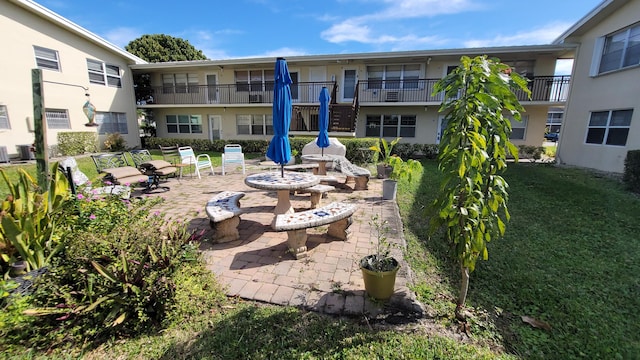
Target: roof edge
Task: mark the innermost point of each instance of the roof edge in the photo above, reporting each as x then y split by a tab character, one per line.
584	20
75	28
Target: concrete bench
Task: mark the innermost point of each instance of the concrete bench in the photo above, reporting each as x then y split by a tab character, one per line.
317	192
336	214
224	215
301	167
353	172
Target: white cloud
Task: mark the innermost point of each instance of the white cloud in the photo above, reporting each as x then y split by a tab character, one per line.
122	36
543	35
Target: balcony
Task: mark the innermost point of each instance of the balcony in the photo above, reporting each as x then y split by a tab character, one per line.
553	89
234	94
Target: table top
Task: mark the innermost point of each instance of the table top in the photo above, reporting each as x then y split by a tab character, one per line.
274	181
318	157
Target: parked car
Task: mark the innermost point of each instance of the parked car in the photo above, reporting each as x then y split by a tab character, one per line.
551	136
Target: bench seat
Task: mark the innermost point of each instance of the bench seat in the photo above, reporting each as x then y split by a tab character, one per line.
359	174
336	214
301	167
224	212
317	192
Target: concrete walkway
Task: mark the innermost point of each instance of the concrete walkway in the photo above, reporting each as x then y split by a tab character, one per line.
258	266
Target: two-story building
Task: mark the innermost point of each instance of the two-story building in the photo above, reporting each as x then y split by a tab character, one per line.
373	94
602	119
74	62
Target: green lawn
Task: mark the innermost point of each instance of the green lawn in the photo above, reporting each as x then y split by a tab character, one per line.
569	259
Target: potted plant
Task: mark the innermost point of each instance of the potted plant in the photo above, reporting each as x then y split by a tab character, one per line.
380	268
384	155
400	169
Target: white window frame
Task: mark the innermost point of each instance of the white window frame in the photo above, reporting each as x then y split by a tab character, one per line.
184	124
398	127
601	48
607	127
109	75
111	122
180	83
4	118
402	81
255	124
522	124
57	119
263	84
48	58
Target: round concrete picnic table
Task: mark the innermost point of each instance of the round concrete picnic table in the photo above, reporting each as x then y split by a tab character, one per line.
322	161
283	185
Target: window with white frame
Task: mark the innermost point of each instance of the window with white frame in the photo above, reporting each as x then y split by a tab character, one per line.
104	74
393	76
257	124
391	126
518	128
4	118
57	119
620	50
111	122
184	124
254	80
180	83
610	127
46	58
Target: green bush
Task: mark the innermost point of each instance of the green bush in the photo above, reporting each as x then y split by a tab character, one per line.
631	176
530	152
76	143
115	142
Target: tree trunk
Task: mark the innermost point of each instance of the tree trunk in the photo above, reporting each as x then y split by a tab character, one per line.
464	286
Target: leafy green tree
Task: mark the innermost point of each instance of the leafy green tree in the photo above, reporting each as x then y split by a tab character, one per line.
472	204
162	48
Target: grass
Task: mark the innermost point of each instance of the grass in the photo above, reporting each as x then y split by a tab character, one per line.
569	259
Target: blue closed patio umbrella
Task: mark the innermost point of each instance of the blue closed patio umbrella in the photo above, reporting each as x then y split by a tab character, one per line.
279	150
323	120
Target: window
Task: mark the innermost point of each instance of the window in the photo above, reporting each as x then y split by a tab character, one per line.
254	80
393	76
554	121
57	119
609	127
522	67
46	58
518	128
180	83
391	126
184	124
4	118
254	124
104	74
621	50
111	122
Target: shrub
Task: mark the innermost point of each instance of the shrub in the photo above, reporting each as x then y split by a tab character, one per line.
532	153
115	142
631	176
76	143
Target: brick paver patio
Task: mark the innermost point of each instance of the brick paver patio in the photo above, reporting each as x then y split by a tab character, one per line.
258	266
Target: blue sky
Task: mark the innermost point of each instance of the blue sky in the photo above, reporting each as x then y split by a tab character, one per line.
256	28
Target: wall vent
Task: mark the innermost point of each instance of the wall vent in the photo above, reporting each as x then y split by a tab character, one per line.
255	98
392	96
4	155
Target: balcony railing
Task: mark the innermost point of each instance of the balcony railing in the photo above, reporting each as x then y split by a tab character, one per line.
543	88
227	94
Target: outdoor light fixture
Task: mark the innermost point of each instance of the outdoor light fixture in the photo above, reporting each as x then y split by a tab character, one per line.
89	111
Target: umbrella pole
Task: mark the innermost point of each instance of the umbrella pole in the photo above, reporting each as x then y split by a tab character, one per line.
282	170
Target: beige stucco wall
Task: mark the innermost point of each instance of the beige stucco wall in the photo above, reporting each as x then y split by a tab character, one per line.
611	91
22	30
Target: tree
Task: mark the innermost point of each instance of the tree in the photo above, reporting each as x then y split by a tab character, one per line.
162	48
472	204
159	48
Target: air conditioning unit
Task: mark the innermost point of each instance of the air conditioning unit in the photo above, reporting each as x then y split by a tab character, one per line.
4	155
255	98
392	96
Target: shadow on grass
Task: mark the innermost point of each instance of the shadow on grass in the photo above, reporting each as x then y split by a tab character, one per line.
566	259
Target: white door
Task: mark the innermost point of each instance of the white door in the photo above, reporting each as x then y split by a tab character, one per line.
215	132
442	124
212	88
348	88
317	74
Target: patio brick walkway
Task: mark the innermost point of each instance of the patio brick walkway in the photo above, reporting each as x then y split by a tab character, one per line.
258	266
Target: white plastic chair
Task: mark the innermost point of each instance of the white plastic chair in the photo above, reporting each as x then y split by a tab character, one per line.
232	155
201	161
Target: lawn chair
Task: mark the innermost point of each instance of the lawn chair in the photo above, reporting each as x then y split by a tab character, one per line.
201	161
69	167
118	171
232	155
171	154
144	162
